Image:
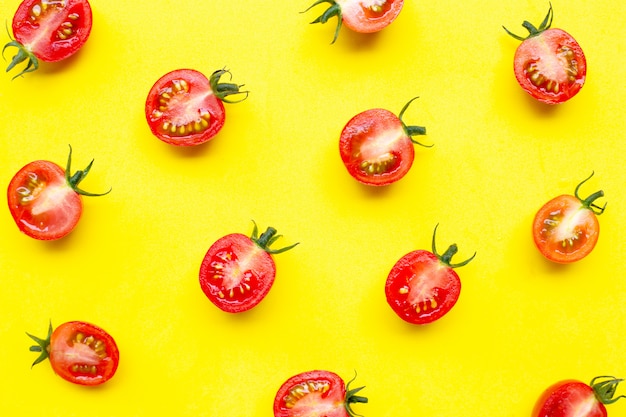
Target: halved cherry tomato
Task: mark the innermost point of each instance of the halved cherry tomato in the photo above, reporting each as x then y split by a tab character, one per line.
362	16
316	394
376	146
238	271
573	398
44	199
48	30
79	352
184	108
422	286
549	64
566	228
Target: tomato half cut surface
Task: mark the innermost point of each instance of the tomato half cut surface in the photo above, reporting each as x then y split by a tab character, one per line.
49	30
79	352
549	64
316	394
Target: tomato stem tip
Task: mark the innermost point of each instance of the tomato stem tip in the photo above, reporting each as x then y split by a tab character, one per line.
352	398
532	30
605	390
74	179
267	238
589	201
446	258
411	131
332	11
41	346
223	90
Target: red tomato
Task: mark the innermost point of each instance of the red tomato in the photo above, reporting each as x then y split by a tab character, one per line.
576	399
184	108
316	394
44	199
49	31
363	16
79	352
566	228
422	286
549	64
376	146
238	271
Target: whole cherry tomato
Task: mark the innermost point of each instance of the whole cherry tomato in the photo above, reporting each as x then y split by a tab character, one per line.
573	398
49	31
423	286
549	64
362	16
79	352
566	228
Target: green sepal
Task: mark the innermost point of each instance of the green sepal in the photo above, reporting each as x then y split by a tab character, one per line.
267	238
605	389
588	202
23	54
223	90
532	30
41	346
446	258
74	179
333	11
352	398
411	131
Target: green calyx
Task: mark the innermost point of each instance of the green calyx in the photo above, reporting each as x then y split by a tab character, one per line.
589	201
412	130
605	389
532	30
223	90
352	398
267	238
74	179
446	258
41	346
332	11
23	54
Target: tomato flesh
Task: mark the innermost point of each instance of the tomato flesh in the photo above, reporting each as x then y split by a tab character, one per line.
42	203
52	29
236	274
182	109
420	289
550	66
367	16
83	353
569	399
375	149
311	394
564	230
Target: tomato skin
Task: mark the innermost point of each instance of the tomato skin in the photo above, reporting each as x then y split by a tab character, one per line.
569	398
41	202
238	271
79	352
315	394
185	108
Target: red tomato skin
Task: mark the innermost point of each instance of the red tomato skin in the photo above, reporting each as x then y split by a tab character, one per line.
199	91
65	352
534	49
360	19
251	265
52	48
380	133
422	272
569	398
544	235
52	209
332	401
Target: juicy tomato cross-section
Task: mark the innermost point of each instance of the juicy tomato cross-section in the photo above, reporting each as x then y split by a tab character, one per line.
236	274
41	202
569	398
367	16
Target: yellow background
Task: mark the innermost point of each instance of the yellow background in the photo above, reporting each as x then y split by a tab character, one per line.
131	265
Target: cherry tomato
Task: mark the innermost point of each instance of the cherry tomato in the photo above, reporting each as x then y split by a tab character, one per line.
376	146
422	286
79	352
572	398
362	16
44	199
238	271
566	228
48	30
549	64
316	394
184	108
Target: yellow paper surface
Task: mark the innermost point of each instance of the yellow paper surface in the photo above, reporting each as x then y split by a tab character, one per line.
131	265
